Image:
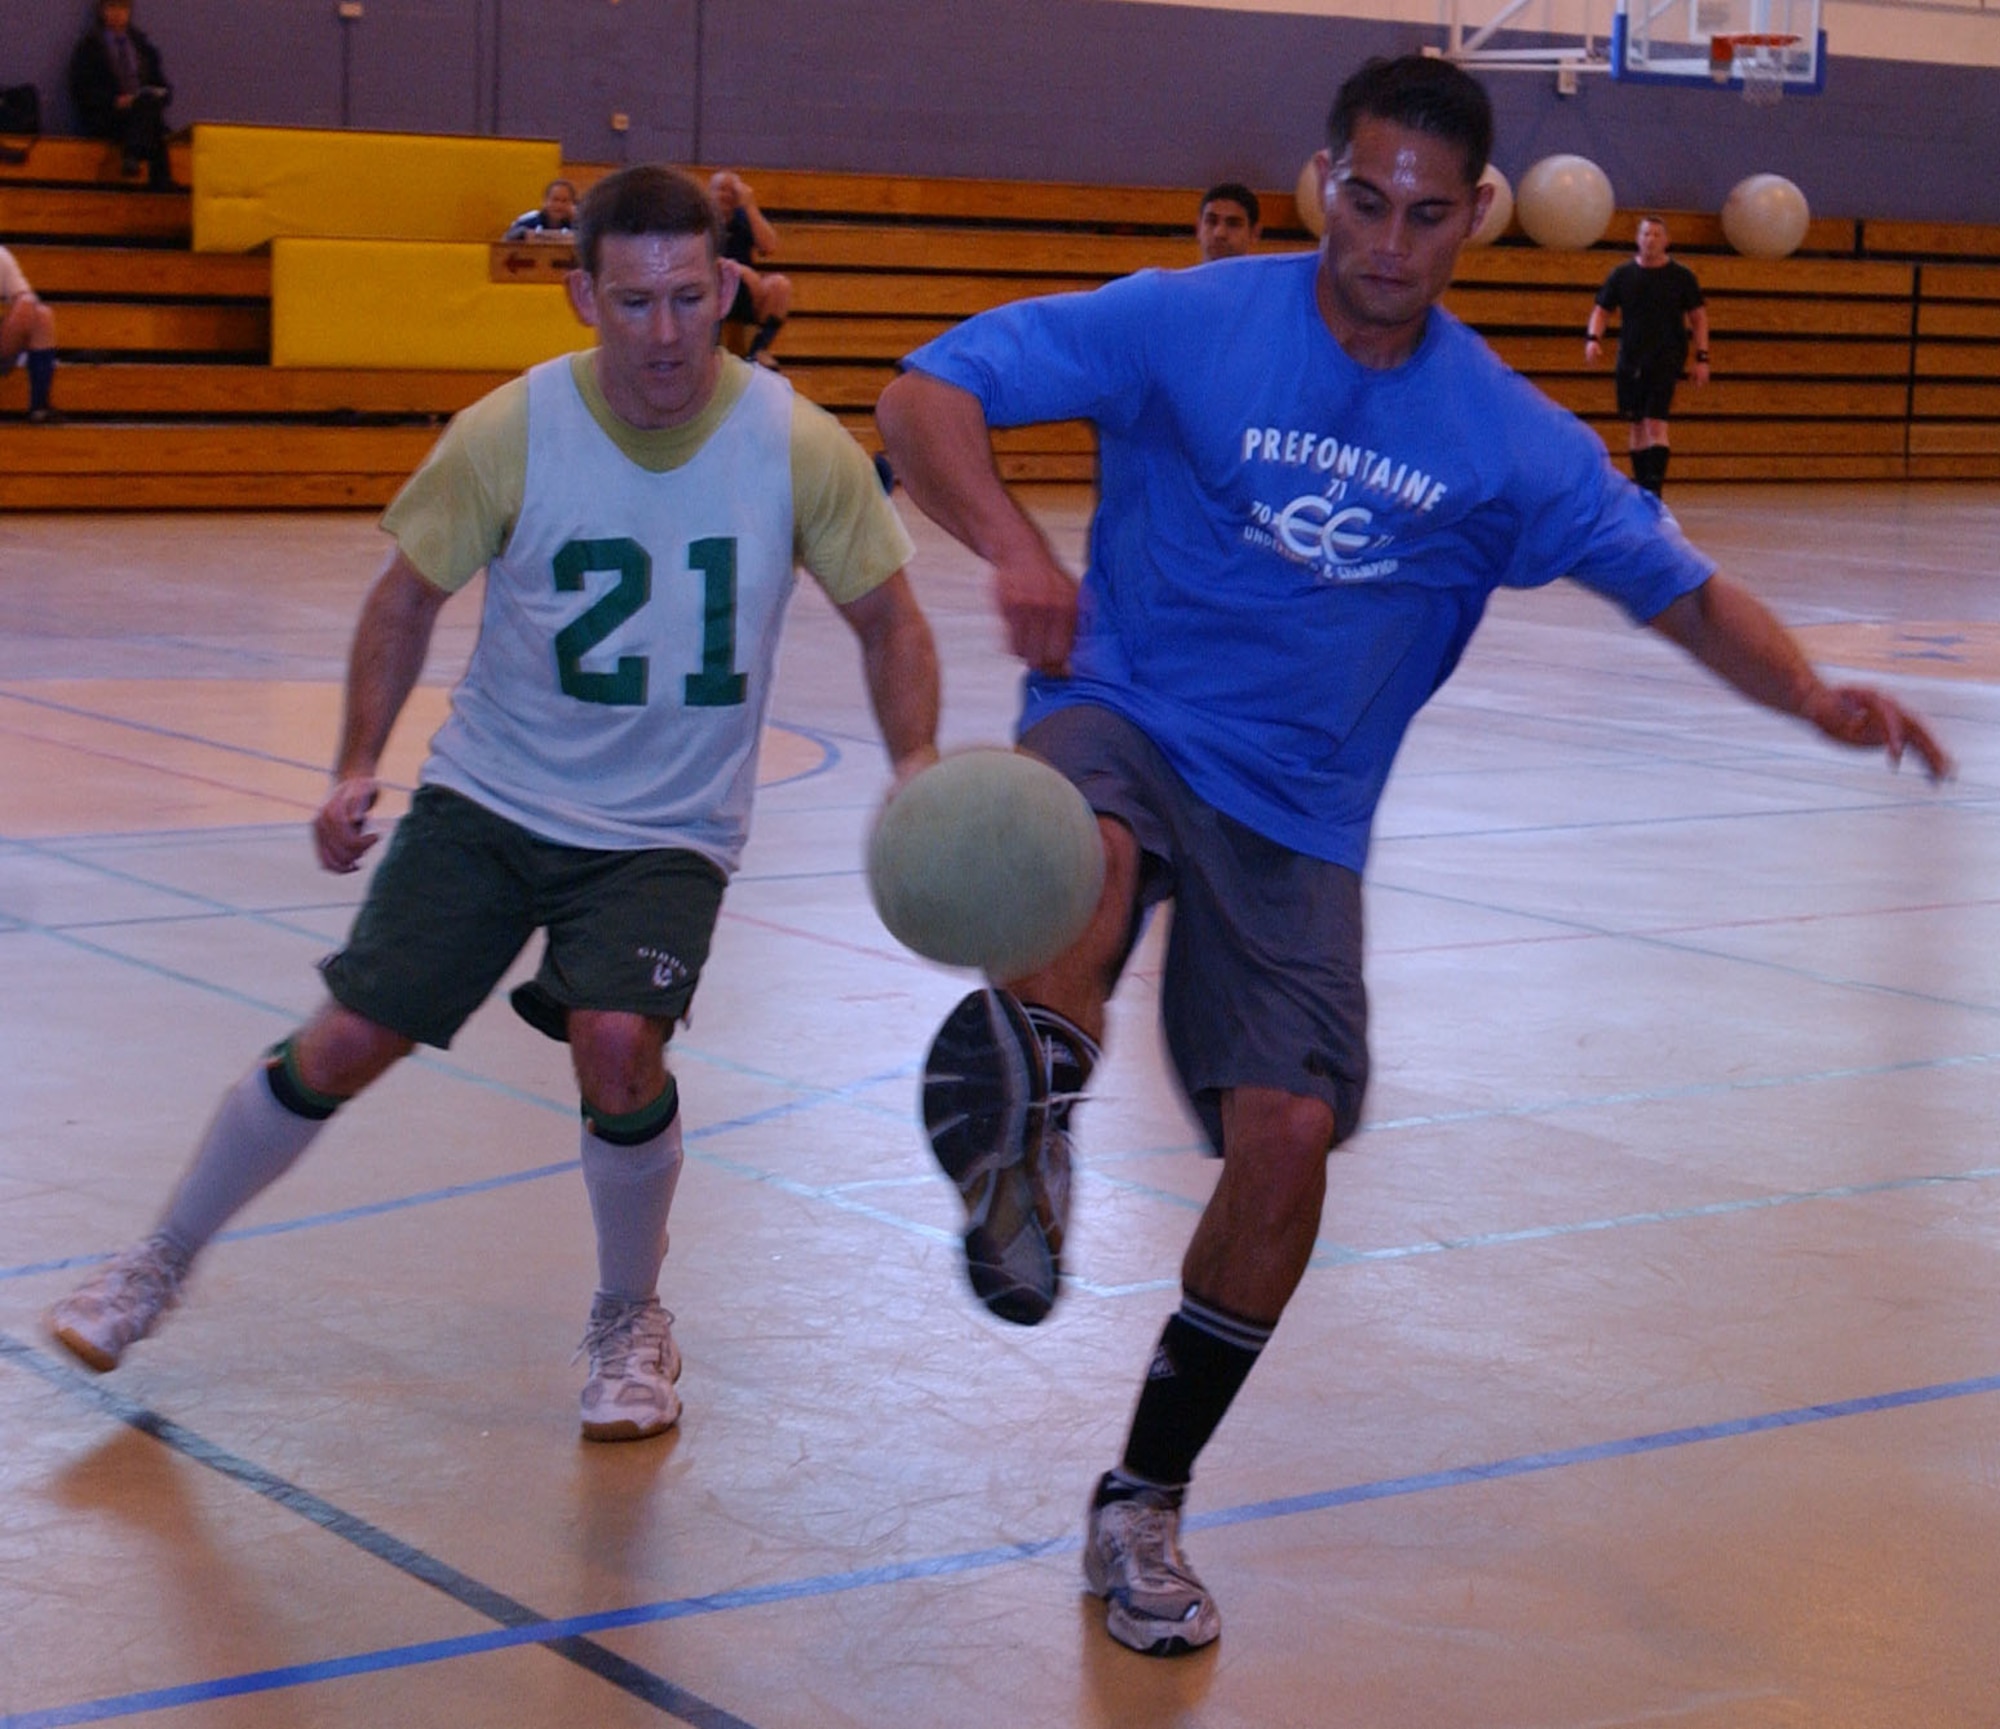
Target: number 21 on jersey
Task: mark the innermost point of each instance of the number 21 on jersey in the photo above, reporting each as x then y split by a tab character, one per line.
716	685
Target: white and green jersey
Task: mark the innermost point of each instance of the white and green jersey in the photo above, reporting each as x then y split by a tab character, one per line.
616	695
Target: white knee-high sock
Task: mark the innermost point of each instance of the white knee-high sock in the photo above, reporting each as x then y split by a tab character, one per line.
252	1142
631	1191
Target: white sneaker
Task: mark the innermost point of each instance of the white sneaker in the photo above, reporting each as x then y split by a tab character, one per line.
120	1303
634	1364
1132	1558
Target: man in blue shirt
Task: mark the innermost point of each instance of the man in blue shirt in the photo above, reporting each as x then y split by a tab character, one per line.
1311	479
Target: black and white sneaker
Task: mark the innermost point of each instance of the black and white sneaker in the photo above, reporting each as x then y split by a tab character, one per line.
986	1110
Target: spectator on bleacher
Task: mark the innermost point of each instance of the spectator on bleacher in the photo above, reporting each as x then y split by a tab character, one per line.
555	216
120	90
27	329
763	298
1228	223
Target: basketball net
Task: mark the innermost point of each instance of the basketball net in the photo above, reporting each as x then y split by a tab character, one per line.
1759	61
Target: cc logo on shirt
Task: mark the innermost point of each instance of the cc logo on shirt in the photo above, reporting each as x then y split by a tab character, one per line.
1311	527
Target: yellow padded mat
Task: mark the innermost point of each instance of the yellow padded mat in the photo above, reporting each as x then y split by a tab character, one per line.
410	304
253	184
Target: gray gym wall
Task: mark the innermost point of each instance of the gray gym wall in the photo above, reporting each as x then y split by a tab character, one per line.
1016	89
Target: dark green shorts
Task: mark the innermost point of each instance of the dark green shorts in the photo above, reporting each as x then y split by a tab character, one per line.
460	891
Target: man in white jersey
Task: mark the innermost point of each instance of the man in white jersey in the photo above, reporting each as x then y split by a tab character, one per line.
640	511
1311	479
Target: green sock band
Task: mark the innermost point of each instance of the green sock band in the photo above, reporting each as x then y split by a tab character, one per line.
281	1074
639	1126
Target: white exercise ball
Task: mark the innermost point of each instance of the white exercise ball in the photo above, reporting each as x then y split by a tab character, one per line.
1565	203
1499	213
1306	196
1765	216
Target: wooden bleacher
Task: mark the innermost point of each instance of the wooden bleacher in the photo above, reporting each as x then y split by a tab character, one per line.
166	393
1873	353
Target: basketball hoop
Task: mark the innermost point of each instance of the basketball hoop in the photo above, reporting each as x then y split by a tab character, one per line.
1758	60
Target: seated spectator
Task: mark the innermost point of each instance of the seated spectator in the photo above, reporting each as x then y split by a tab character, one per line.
763	297
555	218
27	327
121	92
1228	223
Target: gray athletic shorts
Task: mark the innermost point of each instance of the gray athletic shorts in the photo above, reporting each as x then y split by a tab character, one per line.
460	891
1263	984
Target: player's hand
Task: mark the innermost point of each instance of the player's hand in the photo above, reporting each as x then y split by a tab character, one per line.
1856	715
1037	601
1701	372
341	830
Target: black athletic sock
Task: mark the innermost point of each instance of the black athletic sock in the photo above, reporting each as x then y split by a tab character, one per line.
1662	455
41	377
1204	1356
767	333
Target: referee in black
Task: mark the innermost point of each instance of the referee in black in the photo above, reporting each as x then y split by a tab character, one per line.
1660	307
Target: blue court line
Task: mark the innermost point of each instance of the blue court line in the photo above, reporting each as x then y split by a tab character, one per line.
846	1197
826	741
1528	1464
1609	824
1344	1256
510	1179
152	729
209	905
313	1221
202	835
1685	1090
567	1631
1327	1252
371	1540
1677	942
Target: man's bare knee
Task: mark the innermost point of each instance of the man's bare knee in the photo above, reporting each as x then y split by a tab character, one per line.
619	1059
339	1052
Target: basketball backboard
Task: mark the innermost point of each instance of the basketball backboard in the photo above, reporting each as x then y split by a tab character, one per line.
1773	45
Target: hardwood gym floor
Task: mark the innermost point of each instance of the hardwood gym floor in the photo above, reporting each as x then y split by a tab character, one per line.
1647	1373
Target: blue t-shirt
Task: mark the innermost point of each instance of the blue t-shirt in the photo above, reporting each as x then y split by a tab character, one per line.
1291	550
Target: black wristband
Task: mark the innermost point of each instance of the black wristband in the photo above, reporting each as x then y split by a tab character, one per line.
1592	336
1701	355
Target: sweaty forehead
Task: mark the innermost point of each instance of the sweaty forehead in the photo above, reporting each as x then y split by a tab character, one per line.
1392	156
652	259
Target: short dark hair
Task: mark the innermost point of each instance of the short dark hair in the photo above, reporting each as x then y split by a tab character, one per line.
643	200
1236	193
560	180
1423	93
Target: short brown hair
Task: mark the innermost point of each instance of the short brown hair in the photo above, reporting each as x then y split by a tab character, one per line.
1423	94
648	199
